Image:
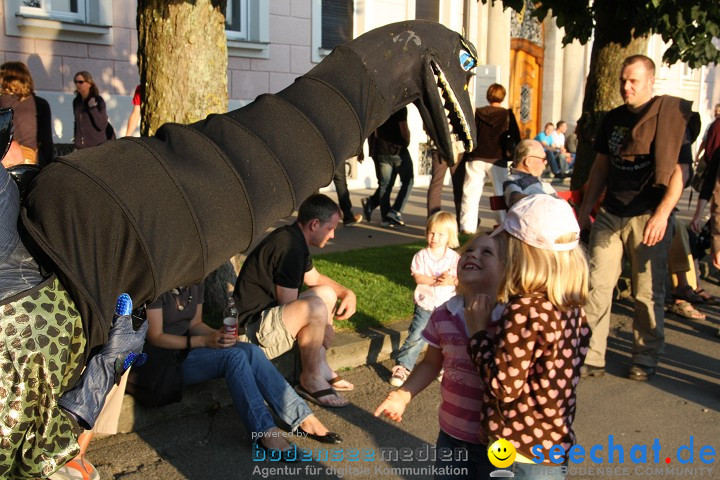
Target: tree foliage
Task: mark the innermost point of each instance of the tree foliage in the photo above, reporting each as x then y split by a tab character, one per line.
687	26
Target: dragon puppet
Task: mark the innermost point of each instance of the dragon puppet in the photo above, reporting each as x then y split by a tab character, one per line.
145	215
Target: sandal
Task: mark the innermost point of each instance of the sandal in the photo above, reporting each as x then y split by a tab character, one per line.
314	397
688	294
686	310
708	298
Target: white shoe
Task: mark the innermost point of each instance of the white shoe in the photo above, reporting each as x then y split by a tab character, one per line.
399	375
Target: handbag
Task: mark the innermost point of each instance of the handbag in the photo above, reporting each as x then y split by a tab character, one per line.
159	381
507	142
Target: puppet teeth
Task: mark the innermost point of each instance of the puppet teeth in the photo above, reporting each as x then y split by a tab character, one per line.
457	122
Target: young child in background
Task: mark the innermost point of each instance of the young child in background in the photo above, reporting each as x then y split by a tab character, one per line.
530	360
479	270
434	269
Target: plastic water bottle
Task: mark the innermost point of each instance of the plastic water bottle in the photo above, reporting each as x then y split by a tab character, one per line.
230	318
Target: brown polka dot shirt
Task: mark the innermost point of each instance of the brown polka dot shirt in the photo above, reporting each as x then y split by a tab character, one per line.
530	363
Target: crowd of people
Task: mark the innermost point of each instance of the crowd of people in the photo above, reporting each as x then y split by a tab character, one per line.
512	321
33	135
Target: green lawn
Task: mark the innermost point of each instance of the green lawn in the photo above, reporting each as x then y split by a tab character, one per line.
380	278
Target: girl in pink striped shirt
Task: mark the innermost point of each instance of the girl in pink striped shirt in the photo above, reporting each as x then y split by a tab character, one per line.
479	271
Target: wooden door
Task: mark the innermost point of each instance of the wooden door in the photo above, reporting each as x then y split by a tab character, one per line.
525	95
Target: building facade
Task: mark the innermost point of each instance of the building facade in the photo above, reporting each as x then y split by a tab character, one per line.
271	42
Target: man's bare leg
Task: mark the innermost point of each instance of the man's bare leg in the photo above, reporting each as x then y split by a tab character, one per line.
327	295
306	320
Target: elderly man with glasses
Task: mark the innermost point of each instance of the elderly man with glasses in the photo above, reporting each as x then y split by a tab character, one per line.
528	165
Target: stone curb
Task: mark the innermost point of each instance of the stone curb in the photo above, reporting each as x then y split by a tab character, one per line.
350	350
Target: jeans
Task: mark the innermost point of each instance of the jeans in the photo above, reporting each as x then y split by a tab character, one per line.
556	161
388	167
410	350
252	381
610	236
434	195
340	181
472	457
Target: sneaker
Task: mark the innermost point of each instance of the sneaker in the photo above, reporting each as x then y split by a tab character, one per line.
75	470
399	375
388	224
353	220
367	209
395	216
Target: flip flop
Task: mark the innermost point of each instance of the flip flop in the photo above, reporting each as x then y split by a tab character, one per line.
334	381
313	397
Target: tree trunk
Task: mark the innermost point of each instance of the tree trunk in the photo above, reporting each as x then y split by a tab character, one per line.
182	58
602	94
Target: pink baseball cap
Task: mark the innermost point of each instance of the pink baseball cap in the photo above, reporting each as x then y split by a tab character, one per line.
539	220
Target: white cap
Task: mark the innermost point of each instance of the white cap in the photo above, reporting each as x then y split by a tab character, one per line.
539	220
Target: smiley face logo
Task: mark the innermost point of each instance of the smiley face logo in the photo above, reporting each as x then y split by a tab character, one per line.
501	453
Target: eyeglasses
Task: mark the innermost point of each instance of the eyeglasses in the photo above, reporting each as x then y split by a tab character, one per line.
79	82
544	159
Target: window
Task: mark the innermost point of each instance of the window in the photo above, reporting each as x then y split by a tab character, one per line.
236	18
87	21
332	25
337	23
247	27
71	10
427	10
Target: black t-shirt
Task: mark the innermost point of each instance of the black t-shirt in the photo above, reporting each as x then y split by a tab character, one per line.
178	310
282	258
389	139
630	187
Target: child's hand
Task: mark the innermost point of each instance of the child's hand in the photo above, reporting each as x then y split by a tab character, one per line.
477	313
394	405
446	278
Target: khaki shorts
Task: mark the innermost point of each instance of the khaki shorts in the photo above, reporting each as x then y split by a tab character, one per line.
269	333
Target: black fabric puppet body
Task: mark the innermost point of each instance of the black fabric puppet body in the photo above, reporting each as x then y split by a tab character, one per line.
144	215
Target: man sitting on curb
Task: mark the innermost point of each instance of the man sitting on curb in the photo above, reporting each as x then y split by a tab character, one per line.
274	312
528	165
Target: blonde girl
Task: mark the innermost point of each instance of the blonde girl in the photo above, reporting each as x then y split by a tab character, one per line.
434	269
479	271
530	361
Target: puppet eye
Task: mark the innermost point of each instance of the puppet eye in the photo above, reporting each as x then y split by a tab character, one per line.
466	60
